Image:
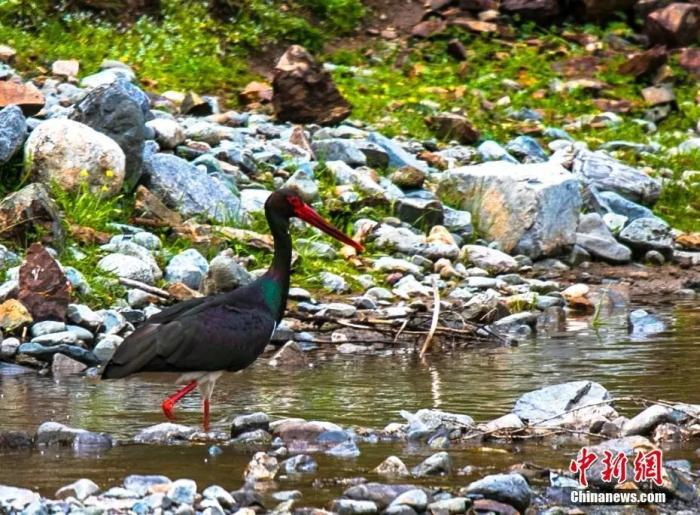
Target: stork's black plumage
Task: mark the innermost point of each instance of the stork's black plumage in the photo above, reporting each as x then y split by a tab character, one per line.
227	332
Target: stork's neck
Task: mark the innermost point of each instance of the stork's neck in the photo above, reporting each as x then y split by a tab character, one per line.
275	282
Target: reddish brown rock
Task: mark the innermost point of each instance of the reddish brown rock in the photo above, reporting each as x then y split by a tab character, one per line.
645	64
456	49
88	235
581	66
448	126
23	94
152	212
434	160
304	93
538	10
474	25
428	28
614	106
675	25
30	211
43	287
689	59
181	292
256	92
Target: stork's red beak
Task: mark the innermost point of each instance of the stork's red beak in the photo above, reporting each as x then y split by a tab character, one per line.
311	217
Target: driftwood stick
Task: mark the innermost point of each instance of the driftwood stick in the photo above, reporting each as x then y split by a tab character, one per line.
434	322
403	326
145	287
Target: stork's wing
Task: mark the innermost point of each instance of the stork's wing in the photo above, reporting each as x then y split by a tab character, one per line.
194	336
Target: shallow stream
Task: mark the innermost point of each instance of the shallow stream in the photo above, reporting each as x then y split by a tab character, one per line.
369	391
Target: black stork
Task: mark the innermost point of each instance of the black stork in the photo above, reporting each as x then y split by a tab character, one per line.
204	337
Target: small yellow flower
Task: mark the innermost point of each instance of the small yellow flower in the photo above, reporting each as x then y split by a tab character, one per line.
83	173
109	174
104	189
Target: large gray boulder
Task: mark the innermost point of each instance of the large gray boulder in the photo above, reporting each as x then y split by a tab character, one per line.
116	110
605	173
595	237
550	406
71	154
187	189
529	209
13	132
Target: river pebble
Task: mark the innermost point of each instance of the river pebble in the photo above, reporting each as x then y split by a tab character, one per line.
301	463
80	489
437	464
182	491
261	468
508	488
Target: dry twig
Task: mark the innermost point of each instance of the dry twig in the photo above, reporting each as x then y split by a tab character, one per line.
434	322
144	287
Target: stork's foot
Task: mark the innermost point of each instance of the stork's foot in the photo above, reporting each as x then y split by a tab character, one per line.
168	406
169	403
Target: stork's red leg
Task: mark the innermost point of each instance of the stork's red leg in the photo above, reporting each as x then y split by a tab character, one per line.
169	403
205	411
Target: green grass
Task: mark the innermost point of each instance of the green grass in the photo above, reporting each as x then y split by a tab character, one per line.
88	209
187	47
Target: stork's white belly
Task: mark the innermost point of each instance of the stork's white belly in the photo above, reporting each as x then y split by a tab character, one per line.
200	377
205	381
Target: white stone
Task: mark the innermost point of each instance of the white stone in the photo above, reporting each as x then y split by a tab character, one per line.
127	267
70	154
